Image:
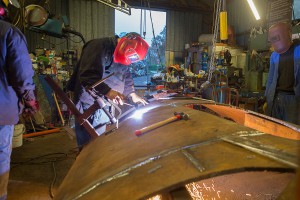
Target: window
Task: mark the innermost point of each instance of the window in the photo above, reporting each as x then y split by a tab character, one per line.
140	22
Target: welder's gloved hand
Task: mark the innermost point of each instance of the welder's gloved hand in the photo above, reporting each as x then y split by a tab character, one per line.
115	96
137	99
31	107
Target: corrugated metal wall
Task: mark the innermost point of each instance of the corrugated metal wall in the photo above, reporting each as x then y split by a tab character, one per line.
90	18
182	28
241	17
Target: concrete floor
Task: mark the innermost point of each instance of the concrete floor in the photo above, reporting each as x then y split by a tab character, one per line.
40	164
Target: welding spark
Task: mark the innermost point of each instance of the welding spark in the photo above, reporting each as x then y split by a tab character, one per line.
138	114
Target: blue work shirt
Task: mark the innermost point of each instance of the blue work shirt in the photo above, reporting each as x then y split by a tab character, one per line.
15	73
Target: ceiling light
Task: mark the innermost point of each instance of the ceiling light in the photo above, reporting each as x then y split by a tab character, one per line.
254	10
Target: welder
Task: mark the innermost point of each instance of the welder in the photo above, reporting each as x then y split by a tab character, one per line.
97	56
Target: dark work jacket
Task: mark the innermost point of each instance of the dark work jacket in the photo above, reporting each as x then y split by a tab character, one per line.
15	73
97	54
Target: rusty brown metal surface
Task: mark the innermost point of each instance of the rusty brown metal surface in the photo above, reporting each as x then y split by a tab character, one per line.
258	122
255	185
123	166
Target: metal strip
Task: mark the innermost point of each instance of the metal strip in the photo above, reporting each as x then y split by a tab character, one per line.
125	172
193	160
275	154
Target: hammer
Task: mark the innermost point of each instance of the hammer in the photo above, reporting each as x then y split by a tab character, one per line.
177	116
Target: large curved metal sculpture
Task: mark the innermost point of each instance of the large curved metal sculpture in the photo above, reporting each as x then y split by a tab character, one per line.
122	165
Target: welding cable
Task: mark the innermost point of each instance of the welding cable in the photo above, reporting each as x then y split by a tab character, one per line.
159	57
53	160
30	161
53	181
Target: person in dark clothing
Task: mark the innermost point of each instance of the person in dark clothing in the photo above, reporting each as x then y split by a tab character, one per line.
97	56
283	83
16	87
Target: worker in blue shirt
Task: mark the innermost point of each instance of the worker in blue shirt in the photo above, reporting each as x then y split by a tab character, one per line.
283	83
16	88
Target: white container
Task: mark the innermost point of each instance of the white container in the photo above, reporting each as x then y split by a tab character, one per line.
17	140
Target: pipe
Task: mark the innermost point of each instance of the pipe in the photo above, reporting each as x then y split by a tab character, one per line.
41	133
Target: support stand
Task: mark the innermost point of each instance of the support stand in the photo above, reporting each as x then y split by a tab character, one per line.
81	118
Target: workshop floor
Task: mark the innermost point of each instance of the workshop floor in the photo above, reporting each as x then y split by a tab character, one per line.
40	164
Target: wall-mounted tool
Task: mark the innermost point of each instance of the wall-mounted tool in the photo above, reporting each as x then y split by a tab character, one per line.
177	116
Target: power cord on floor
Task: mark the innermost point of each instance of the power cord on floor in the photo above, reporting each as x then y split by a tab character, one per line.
49	159
30	161
53	181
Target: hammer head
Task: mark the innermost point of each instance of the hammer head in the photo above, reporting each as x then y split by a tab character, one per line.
182	115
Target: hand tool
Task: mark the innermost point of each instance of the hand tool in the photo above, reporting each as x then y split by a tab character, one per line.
177	116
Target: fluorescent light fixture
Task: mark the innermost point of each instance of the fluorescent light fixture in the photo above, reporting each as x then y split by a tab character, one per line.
254	10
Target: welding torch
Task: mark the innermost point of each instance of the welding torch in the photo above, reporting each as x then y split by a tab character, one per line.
99	100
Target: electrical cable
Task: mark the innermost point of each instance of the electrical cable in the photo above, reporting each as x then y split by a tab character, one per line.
51	160
53	181
57	44
159	57
75	41
145	25
48	159
141	19
143	22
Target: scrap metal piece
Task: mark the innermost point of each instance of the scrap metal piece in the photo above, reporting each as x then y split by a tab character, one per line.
193	160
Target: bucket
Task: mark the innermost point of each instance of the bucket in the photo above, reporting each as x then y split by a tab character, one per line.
17	140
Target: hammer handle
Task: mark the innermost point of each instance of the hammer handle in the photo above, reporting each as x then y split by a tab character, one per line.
156	125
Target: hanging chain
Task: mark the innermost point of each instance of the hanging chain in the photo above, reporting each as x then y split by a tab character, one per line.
215	37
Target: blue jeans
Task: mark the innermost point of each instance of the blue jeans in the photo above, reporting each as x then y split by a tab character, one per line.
97	120
6	134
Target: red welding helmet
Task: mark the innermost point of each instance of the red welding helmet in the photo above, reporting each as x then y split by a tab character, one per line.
280	37
130	49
